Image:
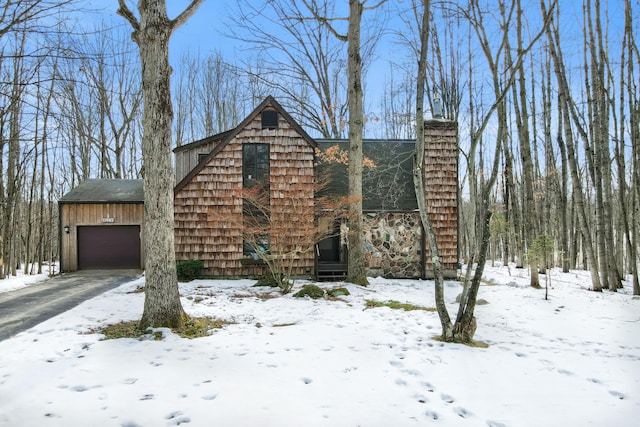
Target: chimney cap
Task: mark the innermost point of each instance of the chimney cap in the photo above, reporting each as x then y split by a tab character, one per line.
437	106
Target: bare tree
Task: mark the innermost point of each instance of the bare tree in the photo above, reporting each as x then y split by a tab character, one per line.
529	211
355	236
10	182
25	14
419	173
465	324
357	268
567	112
209	97
398	101
21	23
301	60
598	89
100	101
630	56
151	32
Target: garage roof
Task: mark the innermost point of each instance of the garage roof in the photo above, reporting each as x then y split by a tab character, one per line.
106	191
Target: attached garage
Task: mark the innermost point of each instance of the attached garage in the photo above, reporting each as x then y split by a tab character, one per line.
101	225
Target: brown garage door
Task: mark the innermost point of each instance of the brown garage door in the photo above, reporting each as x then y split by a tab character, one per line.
108	247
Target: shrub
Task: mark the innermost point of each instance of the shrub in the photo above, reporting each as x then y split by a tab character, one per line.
189	270
311	291
396	305
268	280
338	292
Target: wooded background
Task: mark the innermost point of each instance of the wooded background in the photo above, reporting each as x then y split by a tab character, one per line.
553	86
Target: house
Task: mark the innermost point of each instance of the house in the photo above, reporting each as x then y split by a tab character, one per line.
269	147
211	173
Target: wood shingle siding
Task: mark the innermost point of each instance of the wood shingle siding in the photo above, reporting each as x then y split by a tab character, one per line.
186	157
441	182
209	207
208	200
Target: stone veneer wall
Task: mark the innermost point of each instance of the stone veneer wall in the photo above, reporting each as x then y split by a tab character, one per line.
393	242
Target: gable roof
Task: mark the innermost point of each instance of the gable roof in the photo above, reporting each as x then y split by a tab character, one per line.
227	136
106	191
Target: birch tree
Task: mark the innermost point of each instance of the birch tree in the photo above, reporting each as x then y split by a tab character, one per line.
151	32
465	324
419	174
629	72
566	112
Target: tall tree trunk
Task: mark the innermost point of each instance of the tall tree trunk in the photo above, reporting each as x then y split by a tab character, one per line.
564	101
522	121
152	32
598	106
11	186
630	57
42	223
567	257
511	205
419	175
357	268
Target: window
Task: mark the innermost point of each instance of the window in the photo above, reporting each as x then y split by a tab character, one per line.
202	157
269	119
255	175
255	248
255	164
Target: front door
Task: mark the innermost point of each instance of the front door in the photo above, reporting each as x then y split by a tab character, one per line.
329	250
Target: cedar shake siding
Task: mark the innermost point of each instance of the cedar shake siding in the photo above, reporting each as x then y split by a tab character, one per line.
188	156
441	186
209	218
208	200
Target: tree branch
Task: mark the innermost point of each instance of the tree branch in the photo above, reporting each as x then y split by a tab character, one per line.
186	14
325	21
125	12
375	6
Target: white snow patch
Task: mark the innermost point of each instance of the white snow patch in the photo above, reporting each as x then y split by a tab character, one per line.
21	280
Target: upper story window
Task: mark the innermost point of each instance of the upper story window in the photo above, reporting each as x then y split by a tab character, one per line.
202	157
269	119
255	164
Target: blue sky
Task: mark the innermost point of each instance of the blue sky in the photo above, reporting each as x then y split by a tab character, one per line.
206	32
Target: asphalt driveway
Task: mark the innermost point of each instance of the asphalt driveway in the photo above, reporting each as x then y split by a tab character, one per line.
24	308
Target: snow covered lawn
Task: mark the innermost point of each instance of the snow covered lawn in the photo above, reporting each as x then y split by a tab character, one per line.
573	360
21	280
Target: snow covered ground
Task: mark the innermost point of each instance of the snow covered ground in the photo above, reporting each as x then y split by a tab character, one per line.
21	280
573	360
